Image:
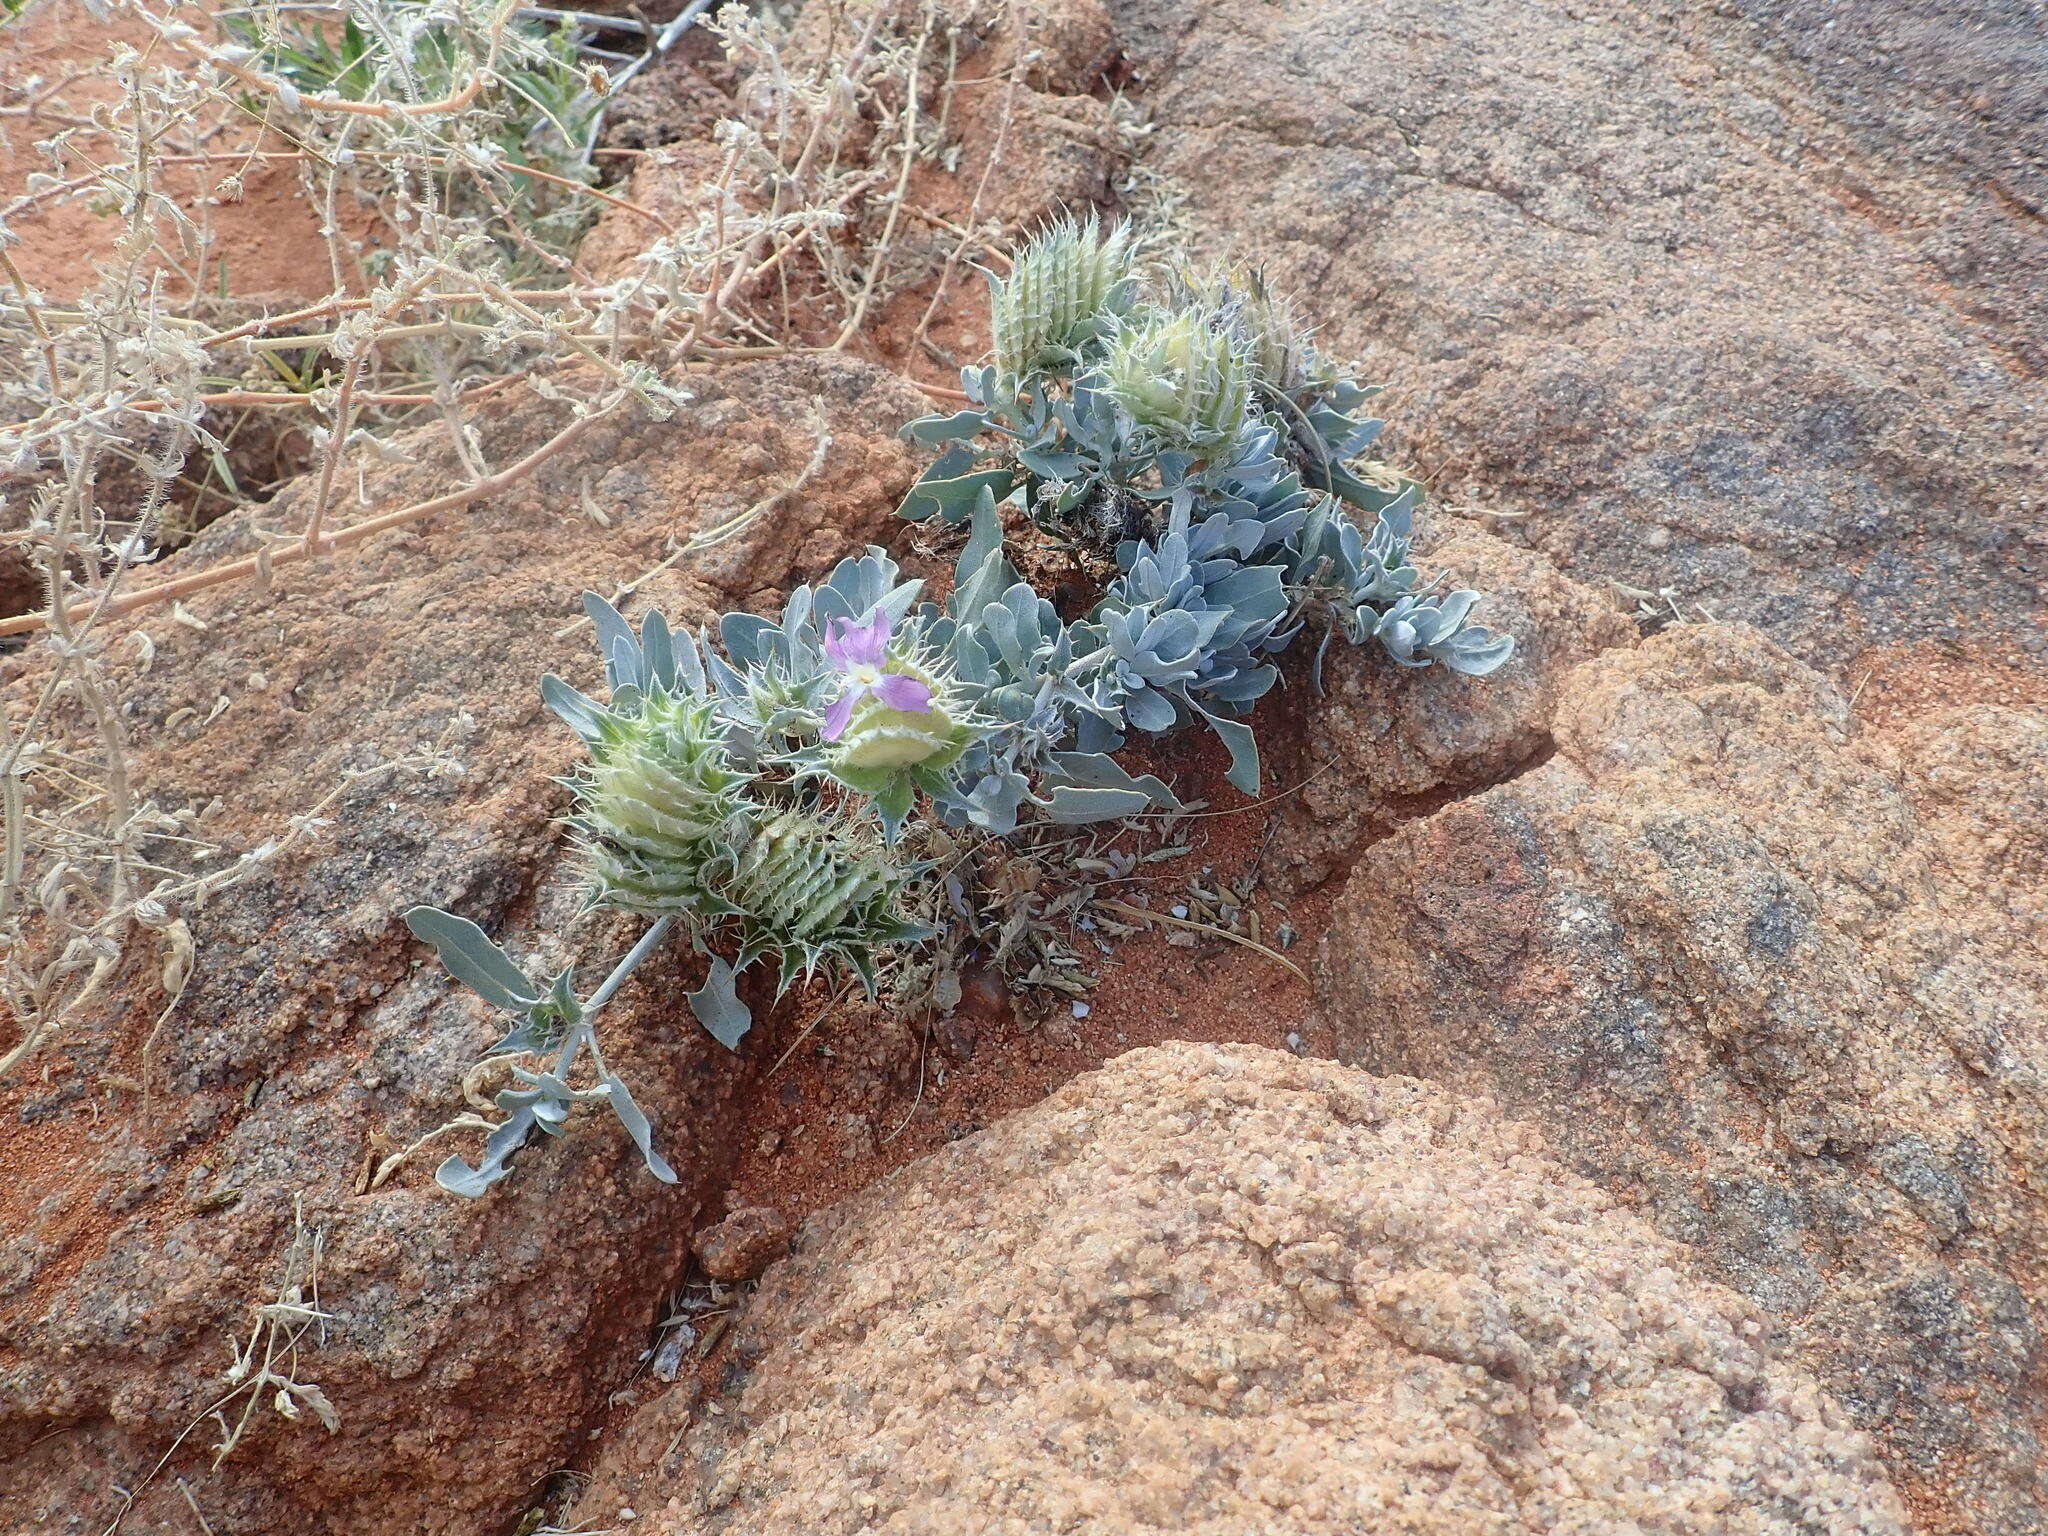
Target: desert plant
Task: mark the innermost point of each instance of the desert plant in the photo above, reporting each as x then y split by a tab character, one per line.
547	1017
538	122
1183	378
444	151
750	798
755	790
1062	290
1201	445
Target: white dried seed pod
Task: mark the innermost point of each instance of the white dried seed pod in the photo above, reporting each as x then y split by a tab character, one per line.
1281	350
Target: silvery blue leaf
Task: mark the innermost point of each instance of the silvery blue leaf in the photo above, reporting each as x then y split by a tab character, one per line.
984	535
900	599
1452	609
723	677
472	958
585	716
953	496
935	429
992	802
1252	590
689	664
611	629
983	571
1244	750
1242	687
659	647
1150	711
542	1025
1169	638
1362	494
1478	651
1050	466
527	1035
893	804
1098	770
548	1096
796	612
625	667
1397	515
1072	806
718	1007
1398	635
457	1176
743	635
635	1121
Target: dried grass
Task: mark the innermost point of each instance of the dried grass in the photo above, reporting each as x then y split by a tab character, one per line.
466	283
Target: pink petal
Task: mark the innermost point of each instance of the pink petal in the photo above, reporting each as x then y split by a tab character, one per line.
840	712
849	645
904	693
835	646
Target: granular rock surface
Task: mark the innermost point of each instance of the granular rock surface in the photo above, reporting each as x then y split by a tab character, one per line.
148	1196
1220	1289
1740	299
1775	979
743	1244
1374	746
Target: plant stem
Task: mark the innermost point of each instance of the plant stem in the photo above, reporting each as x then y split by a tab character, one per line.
627	966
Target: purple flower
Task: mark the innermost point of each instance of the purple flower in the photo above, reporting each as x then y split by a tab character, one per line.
858	652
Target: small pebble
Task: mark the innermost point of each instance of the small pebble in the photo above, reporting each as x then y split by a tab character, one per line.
1080	1010
743	1244
1293	1041
1180	911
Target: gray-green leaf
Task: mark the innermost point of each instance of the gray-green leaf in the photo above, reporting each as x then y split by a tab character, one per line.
472	958
718	1007
634	1119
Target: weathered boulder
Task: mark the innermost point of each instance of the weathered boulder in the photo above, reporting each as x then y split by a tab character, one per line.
466	1344
1220	1289
1778	984
1377	745
1724	299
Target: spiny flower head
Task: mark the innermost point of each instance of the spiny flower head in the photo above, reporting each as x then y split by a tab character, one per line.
1062	290
1184	375
668	825
812	886
1281	349
660	789
894	709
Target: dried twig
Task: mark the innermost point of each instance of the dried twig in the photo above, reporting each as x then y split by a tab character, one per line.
299	101
1141	915
300	548
718	533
